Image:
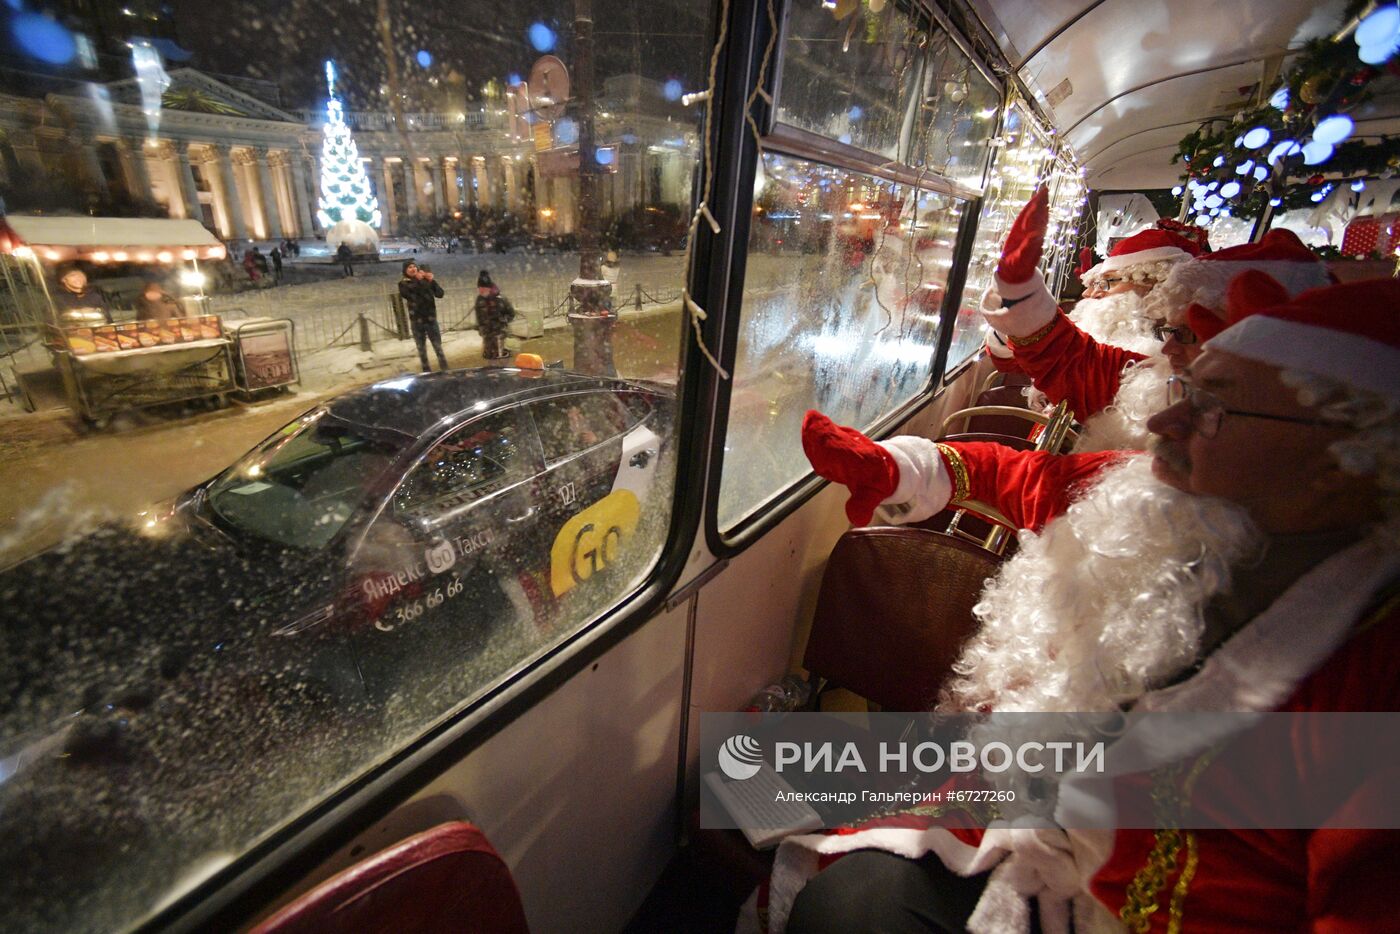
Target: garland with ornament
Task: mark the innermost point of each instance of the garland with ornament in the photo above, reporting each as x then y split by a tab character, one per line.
345	189
1293	149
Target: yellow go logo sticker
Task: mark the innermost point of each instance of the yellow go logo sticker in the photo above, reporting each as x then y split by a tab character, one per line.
591	540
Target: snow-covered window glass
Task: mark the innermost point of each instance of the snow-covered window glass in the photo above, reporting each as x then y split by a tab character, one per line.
881	78
850	74
252	555
843	290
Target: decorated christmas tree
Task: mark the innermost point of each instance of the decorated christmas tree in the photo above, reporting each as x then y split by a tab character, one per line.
345	190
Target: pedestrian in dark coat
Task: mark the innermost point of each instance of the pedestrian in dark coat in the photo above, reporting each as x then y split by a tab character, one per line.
344	257
494	313
420	292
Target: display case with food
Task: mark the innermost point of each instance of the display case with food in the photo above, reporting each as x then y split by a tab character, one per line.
111	298
139	335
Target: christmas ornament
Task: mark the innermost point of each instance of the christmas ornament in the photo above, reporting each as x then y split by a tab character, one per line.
1313	91
345	190
1315	180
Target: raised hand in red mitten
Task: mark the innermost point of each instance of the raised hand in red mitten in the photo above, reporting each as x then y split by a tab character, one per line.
848	457
1021	253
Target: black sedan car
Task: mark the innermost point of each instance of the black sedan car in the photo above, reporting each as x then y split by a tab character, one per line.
343	586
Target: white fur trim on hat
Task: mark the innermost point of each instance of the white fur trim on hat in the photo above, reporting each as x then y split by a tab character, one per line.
1123	261
1032	307
1203	282
1357	361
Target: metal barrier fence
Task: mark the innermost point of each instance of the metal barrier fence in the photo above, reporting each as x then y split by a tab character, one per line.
323	322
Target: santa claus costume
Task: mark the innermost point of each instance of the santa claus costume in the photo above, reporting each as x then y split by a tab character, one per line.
1111	387
1119	588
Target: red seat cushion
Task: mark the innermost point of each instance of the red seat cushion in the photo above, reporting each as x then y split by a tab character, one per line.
446	879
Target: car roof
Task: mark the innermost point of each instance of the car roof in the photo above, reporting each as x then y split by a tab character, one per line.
410	405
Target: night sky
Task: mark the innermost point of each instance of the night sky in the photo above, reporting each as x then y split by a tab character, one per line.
467	42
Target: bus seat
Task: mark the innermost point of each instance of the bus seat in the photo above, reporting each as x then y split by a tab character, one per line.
996	378
447	879
894	609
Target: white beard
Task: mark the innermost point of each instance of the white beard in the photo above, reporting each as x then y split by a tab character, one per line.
1106	602
1117	320
1122	426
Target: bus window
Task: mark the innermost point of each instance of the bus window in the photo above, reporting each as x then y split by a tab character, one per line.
179	689
845	281
1019	167
853	77
960	107
890	82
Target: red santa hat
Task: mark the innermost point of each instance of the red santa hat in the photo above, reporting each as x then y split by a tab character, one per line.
1145	249
1203	280
1348	332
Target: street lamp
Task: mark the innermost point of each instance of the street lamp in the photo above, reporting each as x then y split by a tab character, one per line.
592	319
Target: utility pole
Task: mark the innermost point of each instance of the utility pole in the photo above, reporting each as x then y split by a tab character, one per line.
592	320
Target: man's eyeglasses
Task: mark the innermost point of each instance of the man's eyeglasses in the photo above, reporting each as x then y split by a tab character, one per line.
1208	411
1182	333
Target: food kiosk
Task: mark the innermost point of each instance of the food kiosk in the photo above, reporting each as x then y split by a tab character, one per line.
107	358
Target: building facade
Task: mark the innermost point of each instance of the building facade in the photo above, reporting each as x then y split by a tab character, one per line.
250	170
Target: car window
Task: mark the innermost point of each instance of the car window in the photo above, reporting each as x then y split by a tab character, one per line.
301	486
483	456
577	422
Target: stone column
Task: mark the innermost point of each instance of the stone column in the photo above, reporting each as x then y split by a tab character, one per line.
300	196
189	190
410	187
226	192
439	174
278	166
388	201
420	174
483	182
272	216
512	185
138	177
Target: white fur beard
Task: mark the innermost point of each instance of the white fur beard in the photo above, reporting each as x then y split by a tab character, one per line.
1106	602
1117	320
1122	426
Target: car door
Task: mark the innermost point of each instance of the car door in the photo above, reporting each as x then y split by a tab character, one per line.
438	574
584	440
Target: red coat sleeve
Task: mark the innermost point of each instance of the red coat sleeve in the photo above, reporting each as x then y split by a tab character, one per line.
1067	364
1004	364
1029	487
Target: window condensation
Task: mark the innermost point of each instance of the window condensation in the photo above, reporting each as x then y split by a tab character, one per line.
188	666
852	75
890	82
843	290
1017	168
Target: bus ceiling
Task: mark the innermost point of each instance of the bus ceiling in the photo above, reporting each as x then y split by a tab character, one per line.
1124	81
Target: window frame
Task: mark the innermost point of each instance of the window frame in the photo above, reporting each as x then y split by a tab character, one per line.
783	139
234	893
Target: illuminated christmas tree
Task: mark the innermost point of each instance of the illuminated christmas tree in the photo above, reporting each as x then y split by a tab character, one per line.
345	190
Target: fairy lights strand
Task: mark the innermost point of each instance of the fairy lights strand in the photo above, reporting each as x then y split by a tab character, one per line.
693	309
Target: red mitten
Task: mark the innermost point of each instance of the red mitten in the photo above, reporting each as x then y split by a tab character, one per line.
849	458
1021	253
